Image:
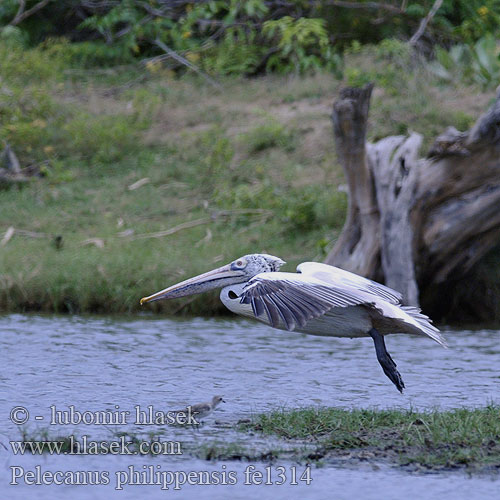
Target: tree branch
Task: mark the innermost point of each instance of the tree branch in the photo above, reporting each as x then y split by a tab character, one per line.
22	6
425	21
24	14
367	5
185	62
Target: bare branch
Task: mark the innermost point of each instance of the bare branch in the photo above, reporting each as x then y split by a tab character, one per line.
366	5
172	230
7	236
24	14
185	62
22	6
129	28
425	21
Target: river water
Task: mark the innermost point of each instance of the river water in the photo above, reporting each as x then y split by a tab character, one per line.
114	364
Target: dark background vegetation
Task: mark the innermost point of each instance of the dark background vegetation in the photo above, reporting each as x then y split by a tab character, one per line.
222	107
241	37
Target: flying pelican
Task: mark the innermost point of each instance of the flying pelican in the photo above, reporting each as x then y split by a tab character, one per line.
318	300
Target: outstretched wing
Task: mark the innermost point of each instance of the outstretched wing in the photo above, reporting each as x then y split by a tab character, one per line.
294	299
334	276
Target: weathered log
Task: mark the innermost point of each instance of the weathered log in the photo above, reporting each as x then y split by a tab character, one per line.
8	159
11	173
416	224
7	179
357	247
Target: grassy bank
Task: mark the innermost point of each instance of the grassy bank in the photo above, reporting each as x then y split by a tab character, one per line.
130	152
460	438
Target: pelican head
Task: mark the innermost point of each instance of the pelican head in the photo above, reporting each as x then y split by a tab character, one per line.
238	271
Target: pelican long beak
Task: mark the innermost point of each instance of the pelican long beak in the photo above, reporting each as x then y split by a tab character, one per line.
217	278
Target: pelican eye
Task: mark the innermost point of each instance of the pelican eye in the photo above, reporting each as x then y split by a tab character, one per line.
232	295
239	264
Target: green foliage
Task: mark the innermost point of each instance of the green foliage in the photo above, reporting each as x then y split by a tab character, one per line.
216	171
269	135
478	64
242	38
302	45
356	77
394	62
233	37
239	48
304	208
90	54
463	121
28	66
12	36
44	131
394	50
8	9
474	19
298	209
30	121
238	53
101	139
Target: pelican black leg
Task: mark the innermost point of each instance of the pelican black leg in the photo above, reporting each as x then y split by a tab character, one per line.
385	360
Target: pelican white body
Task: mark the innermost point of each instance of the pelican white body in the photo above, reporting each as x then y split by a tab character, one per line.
379	307
353	321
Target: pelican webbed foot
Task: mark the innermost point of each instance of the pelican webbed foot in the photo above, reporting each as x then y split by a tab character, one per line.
385	360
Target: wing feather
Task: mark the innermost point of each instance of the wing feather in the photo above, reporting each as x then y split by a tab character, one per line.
335	275
283	312
293	309
296	300
291	300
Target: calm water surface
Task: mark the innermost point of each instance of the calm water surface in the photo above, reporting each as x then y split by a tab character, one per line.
98	364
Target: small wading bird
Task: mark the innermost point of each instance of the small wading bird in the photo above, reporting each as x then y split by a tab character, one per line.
317	300
202	410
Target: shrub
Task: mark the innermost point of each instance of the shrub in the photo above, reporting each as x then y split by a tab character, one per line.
302	45
269	135
479	63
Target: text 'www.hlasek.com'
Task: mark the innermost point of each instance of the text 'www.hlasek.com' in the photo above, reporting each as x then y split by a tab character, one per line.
127	444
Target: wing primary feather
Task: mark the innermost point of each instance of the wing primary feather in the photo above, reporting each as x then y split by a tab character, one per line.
271	311
305	308
246	298
289	308
268	313
283	313
266	291
257	307
293	302
254	308
295	309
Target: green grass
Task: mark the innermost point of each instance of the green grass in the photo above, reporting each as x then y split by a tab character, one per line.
255	162
434	439
462	438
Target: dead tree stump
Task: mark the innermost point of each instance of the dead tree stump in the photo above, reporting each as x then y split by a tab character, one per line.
416	223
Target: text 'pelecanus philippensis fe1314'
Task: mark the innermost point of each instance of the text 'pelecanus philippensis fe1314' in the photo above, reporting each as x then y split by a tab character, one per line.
318	300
